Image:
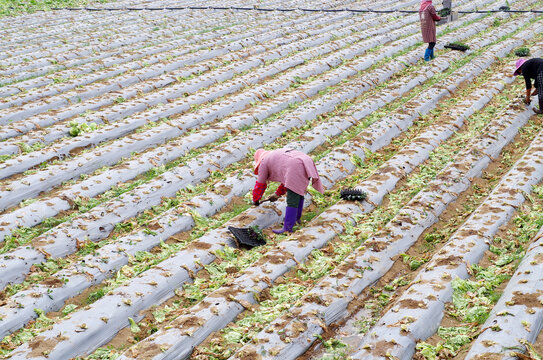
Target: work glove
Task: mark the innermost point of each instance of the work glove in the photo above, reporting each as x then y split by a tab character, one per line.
258	191
281	190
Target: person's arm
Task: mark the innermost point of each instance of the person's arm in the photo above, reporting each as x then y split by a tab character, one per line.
433	13
528	82
258	191
534	93
527	100
281	190
261	183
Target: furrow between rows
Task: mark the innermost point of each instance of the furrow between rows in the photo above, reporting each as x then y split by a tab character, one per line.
397	330
518	315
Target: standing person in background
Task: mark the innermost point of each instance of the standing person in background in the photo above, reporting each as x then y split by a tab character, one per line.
293	169
428	17
532	69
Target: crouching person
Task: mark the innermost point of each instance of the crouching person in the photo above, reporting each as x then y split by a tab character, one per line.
293	169
532	70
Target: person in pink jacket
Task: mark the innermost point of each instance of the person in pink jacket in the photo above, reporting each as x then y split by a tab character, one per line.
428	17
293	169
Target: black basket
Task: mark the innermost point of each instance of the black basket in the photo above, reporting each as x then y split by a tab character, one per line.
247	236
457	47
353	195
444	12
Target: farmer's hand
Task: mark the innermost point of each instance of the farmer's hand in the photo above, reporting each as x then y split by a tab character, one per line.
273	198
527	100
535	92
256	203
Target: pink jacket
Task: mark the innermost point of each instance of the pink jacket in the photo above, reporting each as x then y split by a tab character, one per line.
428	17
291	168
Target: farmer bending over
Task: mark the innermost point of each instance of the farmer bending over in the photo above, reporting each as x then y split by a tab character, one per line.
292	169
532	69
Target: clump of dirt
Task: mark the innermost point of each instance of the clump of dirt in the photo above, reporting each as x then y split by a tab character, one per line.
489	356
382	348
181	237
222	190
276	259
154	225
53	282
199	245
244	220
40	346
3	298
376	246
529	300
250	355
411	304
450	260
148	350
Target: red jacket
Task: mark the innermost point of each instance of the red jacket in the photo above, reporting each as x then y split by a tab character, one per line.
428	17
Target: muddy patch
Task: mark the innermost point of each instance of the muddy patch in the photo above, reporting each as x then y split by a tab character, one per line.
529	300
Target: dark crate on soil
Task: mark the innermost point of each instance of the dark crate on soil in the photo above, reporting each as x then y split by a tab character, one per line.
247	236
353	195
454	46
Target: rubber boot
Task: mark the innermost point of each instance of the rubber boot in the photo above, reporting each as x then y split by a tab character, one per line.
540	110
300	211
290	220
427	56
432	54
